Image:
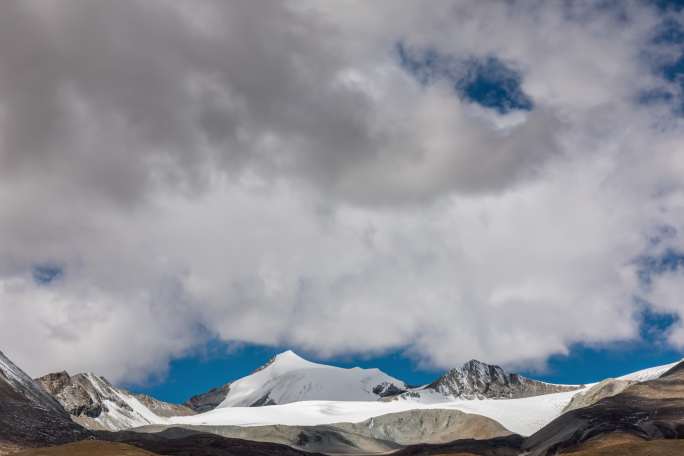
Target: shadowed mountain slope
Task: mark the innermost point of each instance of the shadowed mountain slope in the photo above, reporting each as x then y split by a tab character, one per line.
28	415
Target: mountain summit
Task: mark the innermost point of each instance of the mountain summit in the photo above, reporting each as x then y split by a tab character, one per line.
478	380
287	377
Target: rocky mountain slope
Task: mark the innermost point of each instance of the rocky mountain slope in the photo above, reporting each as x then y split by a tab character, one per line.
210	400
477	380
649	410
28	415
289	378
95	403
605	388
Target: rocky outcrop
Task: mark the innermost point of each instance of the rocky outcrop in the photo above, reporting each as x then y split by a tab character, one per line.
607	388
386	389
210	400
28	415
96	404
77	394
477	380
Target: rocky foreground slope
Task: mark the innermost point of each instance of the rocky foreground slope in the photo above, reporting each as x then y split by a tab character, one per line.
96	404
28	415
649	410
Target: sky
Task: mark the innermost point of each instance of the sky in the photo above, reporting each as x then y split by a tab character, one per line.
189	187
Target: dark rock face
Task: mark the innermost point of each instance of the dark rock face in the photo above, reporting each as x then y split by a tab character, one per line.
200	444
500	446
477	380
263	400
386	389
210	400
28	415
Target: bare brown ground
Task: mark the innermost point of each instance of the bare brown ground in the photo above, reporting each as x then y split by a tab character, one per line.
639	448
87	448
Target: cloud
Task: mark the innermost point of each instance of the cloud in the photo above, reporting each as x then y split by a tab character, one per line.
270	173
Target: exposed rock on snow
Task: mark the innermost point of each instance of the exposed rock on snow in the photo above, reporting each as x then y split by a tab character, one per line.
94	403
477	380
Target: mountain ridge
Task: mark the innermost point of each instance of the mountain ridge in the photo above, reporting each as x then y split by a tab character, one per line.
93	402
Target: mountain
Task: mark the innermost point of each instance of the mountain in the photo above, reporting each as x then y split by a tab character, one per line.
28	415
648	410
287	378
645	419
477	380
95	403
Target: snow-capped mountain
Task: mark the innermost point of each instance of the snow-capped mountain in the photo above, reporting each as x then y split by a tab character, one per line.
477	380
524	415
289	378
95	403
28	415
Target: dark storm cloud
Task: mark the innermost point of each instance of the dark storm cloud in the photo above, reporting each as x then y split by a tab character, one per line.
121	97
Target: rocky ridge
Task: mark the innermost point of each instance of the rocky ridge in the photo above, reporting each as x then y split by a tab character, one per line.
478	380
95	403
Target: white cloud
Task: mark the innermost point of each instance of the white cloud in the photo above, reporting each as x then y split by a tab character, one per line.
269	174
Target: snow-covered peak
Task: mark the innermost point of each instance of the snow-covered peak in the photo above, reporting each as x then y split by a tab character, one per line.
288	377
288	361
